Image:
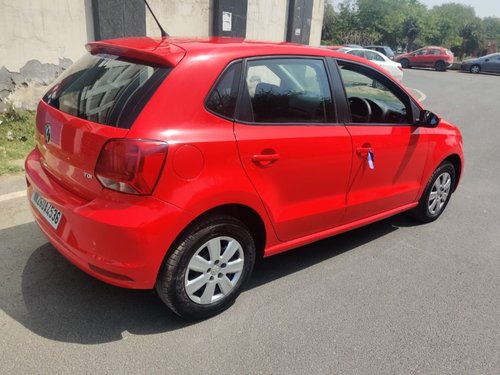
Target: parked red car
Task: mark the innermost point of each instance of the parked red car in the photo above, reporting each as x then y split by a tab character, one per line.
438	58
174	164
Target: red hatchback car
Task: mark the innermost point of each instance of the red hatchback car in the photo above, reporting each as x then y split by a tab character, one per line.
174	164
438	58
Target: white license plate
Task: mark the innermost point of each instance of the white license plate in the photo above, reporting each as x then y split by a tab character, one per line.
49	212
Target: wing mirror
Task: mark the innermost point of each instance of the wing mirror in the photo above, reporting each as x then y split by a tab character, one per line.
428	119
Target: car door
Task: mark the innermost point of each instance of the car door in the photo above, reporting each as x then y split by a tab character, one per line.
491	64
389	152
432	56
295	154
418	57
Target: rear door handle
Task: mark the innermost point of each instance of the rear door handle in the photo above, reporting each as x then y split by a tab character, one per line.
265	160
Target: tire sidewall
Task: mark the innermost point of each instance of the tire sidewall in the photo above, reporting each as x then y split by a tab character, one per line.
229	227
440	66
475	71
423	208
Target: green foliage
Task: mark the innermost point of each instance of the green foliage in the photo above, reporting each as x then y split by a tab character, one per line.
17	128
408	24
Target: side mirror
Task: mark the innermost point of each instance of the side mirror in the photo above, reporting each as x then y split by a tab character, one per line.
486	59
428	119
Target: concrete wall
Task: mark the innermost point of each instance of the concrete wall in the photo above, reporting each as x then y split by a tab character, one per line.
43	30
317	22
180	17
267	20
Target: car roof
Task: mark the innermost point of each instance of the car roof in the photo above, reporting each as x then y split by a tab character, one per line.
170	51
347	50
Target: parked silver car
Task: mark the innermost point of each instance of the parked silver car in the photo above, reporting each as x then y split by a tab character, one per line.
489	63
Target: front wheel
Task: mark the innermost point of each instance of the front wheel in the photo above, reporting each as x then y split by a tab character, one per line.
207	268
437	193
405	63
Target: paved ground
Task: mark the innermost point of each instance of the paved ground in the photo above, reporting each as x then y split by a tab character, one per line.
391	298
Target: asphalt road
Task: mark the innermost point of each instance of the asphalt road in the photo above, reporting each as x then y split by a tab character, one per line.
391	298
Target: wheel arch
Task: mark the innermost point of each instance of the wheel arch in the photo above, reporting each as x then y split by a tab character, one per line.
457	164
247	215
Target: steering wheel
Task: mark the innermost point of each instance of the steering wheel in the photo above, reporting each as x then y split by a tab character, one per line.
361	111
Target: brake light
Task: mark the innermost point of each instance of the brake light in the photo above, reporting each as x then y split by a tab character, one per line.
131	166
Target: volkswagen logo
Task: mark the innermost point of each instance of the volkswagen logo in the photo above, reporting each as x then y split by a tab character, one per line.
48	133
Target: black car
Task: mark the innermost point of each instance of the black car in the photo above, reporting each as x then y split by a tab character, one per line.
383	49
489	63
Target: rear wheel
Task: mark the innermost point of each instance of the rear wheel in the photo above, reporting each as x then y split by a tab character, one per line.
475	69
405	63
440	66
437	193
206	269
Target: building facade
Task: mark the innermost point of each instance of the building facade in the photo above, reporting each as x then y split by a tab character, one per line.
57	30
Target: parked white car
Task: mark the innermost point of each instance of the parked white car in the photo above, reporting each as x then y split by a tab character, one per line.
378	58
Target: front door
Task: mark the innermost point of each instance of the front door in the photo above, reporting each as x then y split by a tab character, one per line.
294	153
389	152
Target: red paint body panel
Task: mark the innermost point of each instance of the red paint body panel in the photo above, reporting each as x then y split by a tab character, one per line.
315	186
400	154
114	232
304	190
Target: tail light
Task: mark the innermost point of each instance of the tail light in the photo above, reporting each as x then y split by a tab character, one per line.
131	166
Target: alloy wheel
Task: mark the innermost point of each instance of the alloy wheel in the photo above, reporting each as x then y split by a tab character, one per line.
439	194
214	270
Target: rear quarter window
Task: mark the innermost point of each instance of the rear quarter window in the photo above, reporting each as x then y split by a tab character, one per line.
105	89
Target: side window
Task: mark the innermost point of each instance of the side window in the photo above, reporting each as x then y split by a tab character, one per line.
373	56
371	100
222	98
288	90
434	52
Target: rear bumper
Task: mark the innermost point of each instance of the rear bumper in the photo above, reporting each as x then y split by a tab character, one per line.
117	238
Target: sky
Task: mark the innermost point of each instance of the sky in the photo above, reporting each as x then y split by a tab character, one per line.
483	8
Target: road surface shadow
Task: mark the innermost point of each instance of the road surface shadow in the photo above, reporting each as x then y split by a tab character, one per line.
54	299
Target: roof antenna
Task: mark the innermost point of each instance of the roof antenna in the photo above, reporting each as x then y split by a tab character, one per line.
163	32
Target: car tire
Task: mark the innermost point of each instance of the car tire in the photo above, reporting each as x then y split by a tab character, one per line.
437	193
405	63
475	69
440	66
206	268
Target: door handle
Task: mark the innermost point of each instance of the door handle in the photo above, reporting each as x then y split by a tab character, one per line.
367	153
265	160
364	151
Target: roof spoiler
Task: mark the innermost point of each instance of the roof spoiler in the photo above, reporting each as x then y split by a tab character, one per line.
142	49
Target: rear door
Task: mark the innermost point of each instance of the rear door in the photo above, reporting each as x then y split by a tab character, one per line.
389	153
492	65
295	153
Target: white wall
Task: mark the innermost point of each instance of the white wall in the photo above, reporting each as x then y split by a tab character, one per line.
180	17
43	30
47	30
317	22
267	19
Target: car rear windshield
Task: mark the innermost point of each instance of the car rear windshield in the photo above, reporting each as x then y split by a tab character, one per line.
106	89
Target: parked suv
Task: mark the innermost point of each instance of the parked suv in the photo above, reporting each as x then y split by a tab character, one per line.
384	50
438	58
174	164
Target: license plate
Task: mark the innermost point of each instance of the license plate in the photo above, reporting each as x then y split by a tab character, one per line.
48	211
